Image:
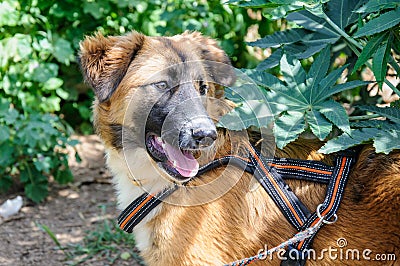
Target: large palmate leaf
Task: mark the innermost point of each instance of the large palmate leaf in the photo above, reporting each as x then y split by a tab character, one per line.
301	101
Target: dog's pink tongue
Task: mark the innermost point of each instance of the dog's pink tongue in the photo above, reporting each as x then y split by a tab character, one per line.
183	161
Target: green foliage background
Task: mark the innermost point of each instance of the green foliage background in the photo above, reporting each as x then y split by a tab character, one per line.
43	98
42	94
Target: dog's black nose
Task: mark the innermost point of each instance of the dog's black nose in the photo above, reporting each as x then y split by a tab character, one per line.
204	137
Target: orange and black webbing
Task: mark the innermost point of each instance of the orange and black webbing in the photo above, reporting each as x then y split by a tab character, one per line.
270	173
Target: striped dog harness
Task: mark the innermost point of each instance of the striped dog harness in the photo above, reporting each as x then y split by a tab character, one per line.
271	173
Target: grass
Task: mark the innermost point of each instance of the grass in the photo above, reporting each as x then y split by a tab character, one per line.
105	243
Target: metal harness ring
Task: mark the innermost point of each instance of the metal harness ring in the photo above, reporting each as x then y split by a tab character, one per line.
322	218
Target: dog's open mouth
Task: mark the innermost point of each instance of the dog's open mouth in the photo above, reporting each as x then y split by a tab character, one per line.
176	162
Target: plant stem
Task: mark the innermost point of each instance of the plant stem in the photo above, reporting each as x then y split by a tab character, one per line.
341	32
353	44
363	117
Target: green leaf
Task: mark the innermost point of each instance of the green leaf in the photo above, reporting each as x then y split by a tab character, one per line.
303	50
4	106
288	127
341	12
312	22
318	124
262	79
31	174
51	104
317	39
37	191
252	3
383	22
64	176
392	113
380	124
43	164
63	51
294	75
345	86
327	82
11	116
369	49
53	83
377	5
317	72
272	61
8	14
93	9
387	141
250	113
63	94
335	113
125	255
280	38
275	13
380	60
4	133
7	153
345	141
44	72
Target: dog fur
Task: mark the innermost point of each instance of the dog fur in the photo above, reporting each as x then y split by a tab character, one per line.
242	221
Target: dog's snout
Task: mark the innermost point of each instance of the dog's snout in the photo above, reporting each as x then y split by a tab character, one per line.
204	137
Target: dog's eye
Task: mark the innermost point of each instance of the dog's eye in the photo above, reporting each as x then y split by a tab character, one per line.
162	85
203	89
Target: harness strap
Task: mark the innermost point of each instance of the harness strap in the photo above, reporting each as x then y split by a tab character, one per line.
292	208
296	254
140	207
307	170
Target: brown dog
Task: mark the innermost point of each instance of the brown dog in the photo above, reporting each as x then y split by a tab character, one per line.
156	101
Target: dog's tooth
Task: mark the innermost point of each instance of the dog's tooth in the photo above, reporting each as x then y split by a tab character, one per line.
174	164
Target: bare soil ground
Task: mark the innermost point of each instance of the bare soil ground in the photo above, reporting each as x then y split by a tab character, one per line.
70	212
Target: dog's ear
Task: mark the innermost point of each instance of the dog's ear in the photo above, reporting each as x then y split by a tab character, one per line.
222	73
105	60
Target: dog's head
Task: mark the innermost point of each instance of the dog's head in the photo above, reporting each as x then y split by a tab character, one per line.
155	88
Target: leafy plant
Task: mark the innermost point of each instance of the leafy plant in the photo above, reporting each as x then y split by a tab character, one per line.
33	147
309	101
